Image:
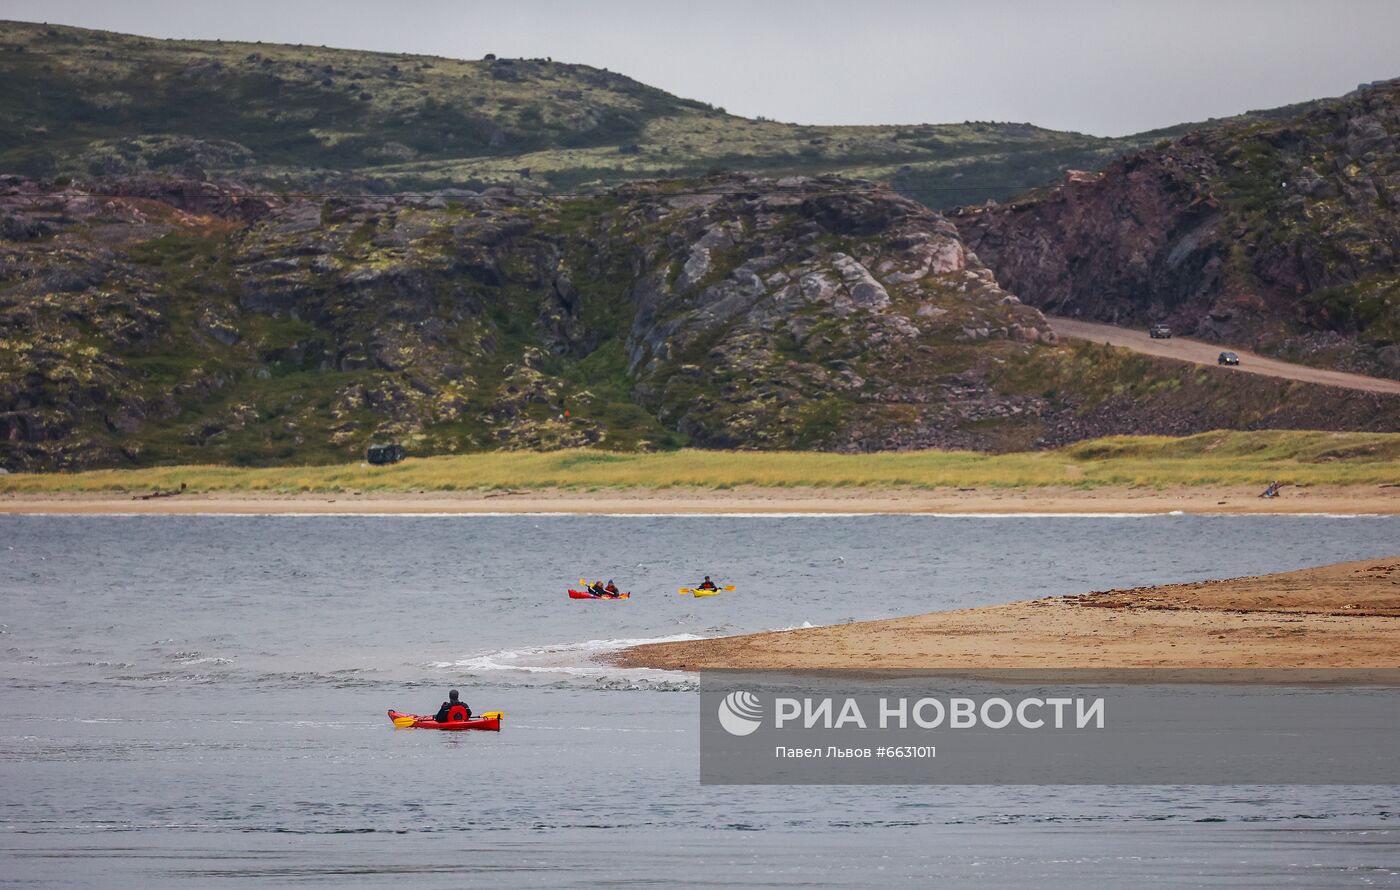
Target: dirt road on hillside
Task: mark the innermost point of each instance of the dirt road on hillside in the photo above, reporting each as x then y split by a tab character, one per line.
1205	354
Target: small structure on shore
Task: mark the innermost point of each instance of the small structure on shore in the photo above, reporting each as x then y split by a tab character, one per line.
385	454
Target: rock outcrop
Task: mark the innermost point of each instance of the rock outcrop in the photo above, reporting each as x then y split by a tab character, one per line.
147	320
1280	235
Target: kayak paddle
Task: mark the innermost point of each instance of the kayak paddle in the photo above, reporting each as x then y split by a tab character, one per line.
684	590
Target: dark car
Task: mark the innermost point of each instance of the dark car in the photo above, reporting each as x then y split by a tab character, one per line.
1159	332
1227	358
385	454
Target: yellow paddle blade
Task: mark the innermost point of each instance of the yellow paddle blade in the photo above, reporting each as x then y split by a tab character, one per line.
403	722
727	587
493	715
683	591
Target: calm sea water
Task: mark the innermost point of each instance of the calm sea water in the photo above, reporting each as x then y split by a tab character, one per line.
200	700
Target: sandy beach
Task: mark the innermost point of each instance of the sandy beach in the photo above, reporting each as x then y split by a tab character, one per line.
1339	616
1383	499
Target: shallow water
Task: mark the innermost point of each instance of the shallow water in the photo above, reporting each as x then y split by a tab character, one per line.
198	699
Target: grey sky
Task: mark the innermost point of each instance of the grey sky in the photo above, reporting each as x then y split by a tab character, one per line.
1090	65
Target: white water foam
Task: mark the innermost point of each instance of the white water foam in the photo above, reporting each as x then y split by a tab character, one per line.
567	659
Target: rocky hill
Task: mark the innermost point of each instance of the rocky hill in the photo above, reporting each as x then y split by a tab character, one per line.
148	320
1282	235
91	103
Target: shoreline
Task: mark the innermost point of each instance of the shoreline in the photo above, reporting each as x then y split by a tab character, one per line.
1105	500
1345	615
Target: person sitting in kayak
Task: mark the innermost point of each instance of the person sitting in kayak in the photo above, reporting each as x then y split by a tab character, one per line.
597	589
446	713
707	584
611	589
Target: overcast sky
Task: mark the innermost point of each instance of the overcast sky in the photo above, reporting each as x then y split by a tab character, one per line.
1095	66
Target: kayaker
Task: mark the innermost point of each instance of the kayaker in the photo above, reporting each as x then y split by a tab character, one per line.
611	589
445	712
707	584
597	589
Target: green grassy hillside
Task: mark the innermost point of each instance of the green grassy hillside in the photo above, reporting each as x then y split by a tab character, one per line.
224	253
81	102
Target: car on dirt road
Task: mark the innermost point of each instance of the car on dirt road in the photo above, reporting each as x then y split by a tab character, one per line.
1227	358
1159	332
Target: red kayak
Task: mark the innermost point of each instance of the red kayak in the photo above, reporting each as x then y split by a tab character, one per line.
490	720
585	595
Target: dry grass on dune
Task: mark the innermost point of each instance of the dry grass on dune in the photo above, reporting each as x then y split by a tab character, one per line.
1220	458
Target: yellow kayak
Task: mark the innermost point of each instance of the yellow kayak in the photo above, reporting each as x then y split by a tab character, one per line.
696	591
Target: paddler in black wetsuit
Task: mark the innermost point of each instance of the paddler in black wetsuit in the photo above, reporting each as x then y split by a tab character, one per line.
597	589
611	589
452	702
707	584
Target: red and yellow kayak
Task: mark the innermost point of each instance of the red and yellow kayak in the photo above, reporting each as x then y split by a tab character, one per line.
490	720
585	595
